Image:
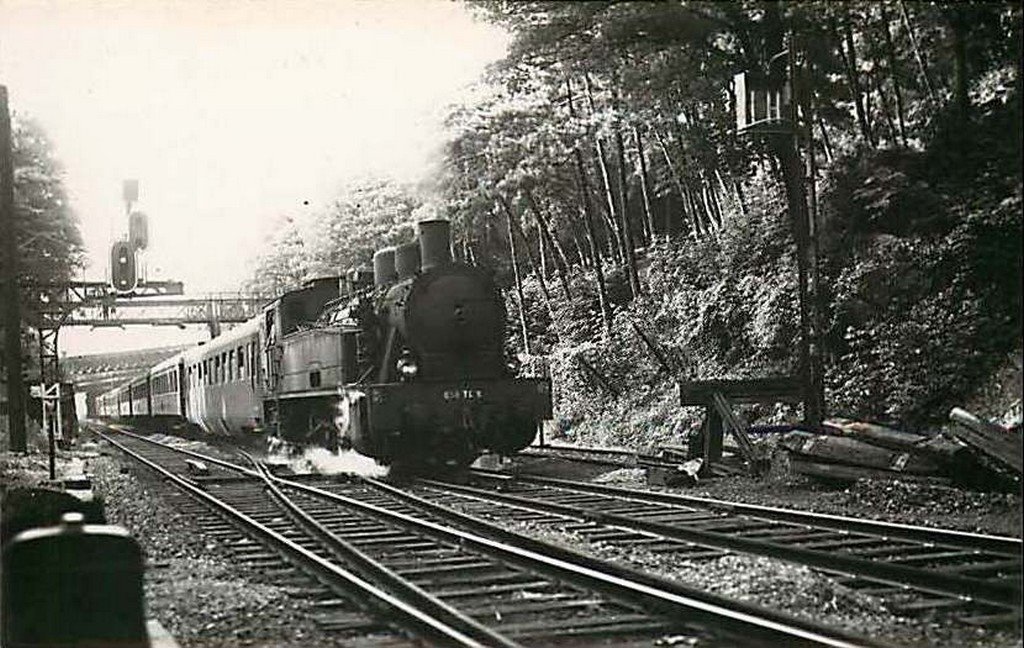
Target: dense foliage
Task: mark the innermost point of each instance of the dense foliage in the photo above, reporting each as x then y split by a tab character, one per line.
362	219
49	242
602	176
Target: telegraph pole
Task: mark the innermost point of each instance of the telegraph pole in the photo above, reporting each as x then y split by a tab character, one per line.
10	296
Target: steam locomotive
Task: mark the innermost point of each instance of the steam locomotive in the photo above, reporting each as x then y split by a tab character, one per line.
406	366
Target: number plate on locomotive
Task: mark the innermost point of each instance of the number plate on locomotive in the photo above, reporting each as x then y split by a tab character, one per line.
463	394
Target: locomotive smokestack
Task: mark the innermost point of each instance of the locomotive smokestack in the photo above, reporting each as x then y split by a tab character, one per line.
384	267
407	260
434	237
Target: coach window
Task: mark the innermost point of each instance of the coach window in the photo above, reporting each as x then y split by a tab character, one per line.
240	354
231	365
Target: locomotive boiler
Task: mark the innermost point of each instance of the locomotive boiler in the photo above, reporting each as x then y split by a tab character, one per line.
406	366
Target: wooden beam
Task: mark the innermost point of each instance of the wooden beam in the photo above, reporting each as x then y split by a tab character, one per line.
991	440
779	389
724	408
839	472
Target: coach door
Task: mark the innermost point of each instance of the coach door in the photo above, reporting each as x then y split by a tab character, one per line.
183	388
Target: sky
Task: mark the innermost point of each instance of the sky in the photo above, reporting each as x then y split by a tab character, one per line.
230	114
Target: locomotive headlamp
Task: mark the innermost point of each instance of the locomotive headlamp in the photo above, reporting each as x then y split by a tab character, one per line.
407	367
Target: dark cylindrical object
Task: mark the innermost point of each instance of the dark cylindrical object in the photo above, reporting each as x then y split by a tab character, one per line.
435	243
73	585
407	260
384	267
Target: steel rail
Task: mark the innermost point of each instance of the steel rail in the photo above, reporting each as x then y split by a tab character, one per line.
932	581
675	600
670	598
381	575
405	614
949	537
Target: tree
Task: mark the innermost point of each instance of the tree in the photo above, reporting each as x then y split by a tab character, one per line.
49	242
365	217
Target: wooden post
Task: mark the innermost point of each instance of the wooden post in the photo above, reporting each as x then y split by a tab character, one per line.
10	297
711	448
788	153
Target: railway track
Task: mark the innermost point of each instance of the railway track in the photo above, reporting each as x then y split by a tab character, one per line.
456	580
918	569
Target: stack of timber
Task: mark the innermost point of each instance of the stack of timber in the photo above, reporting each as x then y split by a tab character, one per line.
848	450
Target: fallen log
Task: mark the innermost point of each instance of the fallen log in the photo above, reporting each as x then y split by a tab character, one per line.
991	440
879	435
840	472
850	451
936	446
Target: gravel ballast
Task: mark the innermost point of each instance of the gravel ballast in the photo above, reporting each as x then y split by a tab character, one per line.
196	589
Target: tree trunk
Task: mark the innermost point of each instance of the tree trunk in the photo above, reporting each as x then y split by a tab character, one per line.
602	295
584	260
890	51
616	247
917	55
543	225
614	220
849	56
627	231
826	143
710	199
958	19
700	209
644	189
694	224
518	229
886	114
515	274
542	254
740	198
